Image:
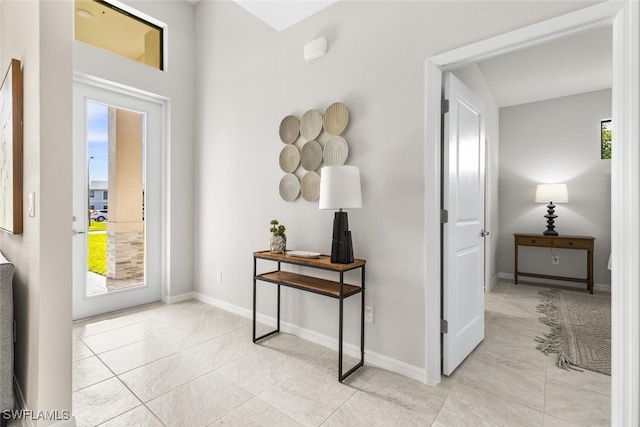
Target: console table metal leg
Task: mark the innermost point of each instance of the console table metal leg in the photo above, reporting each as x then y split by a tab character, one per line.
341	326
268	334
362	319
254	299
342	377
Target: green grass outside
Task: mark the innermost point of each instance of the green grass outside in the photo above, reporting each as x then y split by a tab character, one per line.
97	226
97	249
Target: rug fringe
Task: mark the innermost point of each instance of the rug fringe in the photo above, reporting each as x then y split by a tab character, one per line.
552	342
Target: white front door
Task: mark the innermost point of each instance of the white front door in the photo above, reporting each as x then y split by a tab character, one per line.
463	233
118	177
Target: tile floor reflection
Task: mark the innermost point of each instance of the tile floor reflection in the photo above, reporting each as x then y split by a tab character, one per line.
191	364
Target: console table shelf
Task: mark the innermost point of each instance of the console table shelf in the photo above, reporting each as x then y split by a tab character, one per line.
329	288
307	283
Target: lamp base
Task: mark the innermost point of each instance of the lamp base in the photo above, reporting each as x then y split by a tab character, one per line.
551	216
341	246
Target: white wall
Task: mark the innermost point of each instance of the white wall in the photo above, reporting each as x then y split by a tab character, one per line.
177	84
39	34
556	141
249	77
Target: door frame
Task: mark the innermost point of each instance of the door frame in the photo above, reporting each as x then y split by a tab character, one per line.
164	104
624	16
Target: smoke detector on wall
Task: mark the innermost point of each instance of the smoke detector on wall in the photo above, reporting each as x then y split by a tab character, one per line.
315	49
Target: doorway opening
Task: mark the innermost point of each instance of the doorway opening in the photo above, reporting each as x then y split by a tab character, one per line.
625	246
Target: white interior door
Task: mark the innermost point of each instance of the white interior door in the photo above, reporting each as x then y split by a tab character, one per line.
463	233
118	172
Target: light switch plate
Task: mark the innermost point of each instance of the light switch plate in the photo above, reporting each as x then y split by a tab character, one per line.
32	204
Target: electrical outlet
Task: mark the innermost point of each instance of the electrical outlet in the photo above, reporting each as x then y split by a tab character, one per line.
368	314
555	260
219	276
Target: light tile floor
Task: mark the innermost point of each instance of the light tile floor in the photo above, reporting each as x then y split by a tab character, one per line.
191	364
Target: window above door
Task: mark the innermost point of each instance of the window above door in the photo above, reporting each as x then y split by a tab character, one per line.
108	27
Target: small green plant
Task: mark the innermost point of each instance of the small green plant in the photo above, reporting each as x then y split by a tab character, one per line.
278	229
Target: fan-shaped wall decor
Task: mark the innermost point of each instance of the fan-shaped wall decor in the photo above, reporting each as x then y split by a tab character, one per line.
311	124
289	187
336	118
311	156
336	151
289	158
311	186
289	129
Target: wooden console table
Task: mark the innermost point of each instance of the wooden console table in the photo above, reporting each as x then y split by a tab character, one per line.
585	243
328	288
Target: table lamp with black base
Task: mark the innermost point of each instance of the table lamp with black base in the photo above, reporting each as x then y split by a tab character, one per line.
551	193
340	189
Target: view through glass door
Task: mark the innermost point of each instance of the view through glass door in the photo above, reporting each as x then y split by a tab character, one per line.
117	173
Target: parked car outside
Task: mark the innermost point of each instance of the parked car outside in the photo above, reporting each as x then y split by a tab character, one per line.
100	215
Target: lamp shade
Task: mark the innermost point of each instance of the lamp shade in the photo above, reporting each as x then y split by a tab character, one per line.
556	193
340	187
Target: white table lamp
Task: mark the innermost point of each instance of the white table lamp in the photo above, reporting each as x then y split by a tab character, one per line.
340	189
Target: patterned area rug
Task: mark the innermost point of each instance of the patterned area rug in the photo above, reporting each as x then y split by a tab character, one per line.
580	330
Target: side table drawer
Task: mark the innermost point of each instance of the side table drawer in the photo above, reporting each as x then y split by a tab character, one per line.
572	243
533	241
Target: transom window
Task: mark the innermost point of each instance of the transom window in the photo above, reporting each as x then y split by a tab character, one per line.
108	27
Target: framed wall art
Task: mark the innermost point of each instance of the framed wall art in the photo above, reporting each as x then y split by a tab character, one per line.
11	149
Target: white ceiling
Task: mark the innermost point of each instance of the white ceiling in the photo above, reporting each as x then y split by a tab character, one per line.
568	66
283	14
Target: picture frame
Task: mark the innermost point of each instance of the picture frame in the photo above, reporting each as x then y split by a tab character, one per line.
11	149
605	139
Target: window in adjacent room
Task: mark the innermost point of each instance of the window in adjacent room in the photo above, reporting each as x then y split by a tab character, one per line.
107	27
605	139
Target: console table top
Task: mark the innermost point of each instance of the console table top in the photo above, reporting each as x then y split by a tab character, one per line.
323	261
562	236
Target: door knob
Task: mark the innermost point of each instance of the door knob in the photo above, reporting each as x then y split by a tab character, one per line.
484	233
78	232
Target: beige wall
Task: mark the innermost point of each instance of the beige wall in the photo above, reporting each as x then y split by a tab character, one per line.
557	140
250	76
39	34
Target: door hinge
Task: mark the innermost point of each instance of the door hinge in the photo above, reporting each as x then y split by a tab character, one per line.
445	106
444	216
444	326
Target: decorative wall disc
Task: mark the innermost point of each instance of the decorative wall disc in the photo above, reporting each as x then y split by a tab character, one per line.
289	187
336	118
311	155
311	124
336	151
311	186
289	129
289	158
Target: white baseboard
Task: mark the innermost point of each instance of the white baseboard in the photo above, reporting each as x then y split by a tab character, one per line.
525	279
370	357
178	298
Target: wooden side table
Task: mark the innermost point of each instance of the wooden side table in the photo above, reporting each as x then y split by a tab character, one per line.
585	243
338	290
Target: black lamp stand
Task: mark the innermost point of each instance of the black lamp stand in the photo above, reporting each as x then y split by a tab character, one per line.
551	216
342	246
